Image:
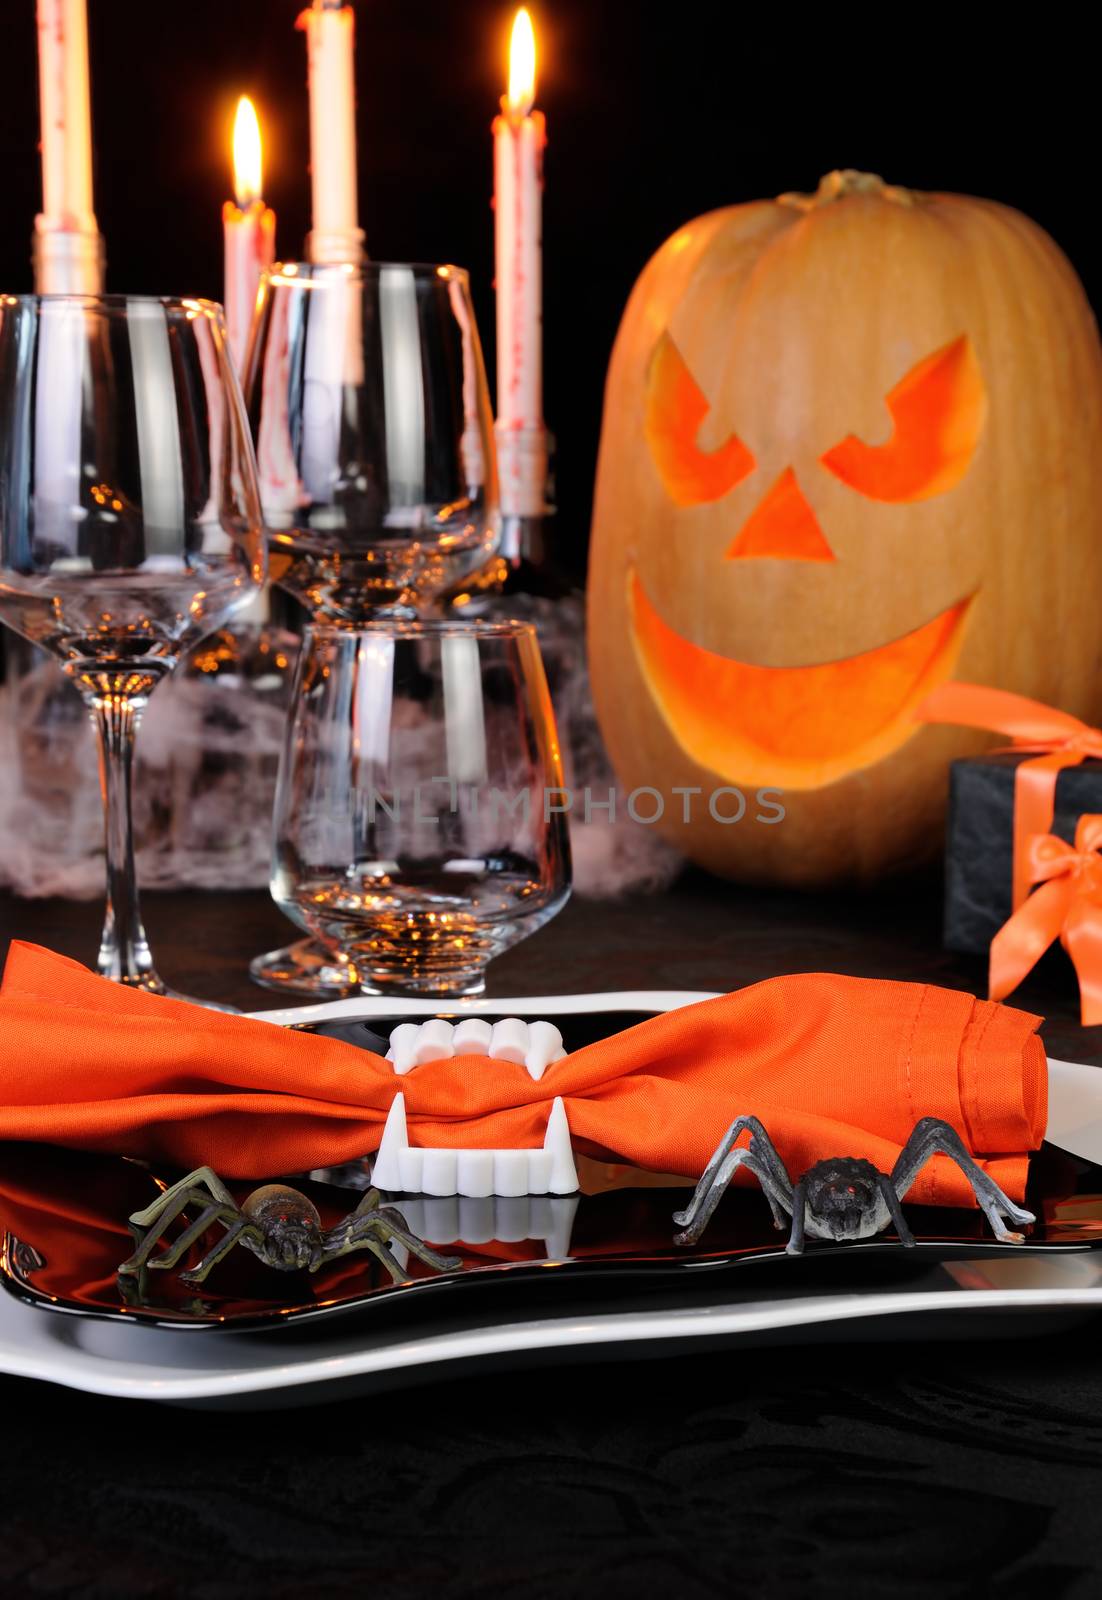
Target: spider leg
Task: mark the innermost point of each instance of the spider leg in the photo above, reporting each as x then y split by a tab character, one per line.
371	1242
391	1224
933	1137
195	1230
795	1245
358	1231
381	1253
202	1178
760	1140
766	1151
696	1216
780	1215
424	1252
895	1210
777	1185
169	1210
221	1249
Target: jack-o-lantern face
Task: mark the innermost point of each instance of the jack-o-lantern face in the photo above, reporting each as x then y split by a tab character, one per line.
835	471
804	726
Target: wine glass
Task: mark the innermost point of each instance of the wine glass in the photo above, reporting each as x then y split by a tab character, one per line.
129	522
420	824
368	401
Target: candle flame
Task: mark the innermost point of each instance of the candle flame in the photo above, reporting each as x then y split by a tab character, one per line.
246	154
522	66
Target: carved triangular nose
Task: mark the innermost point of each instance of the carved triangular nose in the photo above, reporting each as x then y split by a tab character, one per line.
782	526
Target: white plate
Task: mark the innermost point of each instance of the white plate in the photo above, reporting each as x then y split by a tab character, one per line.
244	1370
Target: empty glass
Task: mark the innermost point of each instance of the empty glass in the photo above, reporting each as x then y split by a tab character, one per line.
129	521
420	824
368	402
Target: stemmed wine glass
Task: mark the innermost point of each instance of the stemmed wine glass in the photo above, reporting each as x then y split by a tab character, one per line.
369	406
129	521
367	396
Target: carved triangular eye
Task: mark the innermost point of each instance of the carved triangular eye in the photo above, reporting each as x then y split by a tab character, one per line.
675	409
938	411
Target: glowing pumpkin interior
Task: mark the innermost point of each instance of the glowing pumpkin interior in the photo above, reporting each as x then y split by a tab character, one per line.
783	526
675	410
804	727
937	414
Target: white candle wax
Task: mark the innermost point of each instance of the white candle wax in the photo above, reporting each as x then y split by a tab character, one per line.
248	228
330	47
519	139
68	250
249	252
66	113
518	209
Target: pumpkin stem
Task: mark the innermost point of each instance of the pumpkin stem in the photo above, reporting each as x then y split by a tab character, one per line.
837	185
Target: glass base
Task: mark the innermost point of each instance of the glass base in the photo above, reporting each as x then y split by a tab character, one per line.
308	967
460	985
150	983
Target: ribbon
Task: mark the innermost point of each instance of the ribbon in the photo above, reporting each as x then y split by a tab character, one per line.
1060	739
1067	906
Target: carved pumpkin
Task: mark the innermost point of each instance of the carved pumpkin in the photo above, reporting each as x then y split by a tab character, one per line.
852	447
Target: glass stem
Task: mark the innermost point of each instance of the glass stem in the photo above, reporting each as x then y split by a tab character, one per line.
124	950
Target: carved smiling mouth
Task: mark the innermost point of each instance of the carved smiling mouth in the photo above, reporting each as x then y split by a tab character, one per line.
791	727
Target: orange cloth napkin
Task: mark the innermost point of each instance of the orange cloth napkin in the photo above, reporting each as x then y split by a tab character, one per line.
832	1066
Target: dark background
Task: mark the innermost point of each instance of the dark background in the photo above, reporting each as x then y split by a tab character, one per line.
656	112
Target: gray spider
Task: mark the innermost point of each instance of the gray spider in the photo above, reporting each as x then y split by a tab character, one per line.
277	1223
843	1198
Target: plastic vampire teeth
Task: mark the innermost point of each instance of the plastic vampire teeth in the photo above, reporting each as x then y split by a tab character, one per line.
535	1046
401	1167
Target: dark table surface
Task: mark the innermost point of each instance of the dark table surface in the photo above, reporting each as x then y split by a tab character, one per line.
836	1471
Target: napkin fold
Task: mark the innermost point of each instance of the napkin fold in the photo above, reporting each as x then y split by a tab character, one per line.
832	1065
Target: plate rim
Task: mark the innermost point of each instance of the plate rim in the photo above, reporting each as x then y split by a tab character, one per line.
92	1372
369	1006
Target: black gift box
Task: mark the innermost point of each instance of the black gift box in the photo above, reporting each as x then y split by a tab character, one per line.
979	840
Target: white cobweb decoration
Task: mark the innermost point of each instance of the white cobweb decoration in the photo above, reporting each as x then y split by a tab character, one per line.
207	762
208	754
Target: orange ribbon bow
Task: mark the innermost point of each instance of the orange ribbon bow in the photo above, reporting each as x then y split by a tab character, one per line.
1068	906
1060	739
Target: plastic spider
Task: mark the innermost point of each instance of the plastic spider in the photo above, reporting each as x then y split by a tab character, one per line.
843	1198
277	1223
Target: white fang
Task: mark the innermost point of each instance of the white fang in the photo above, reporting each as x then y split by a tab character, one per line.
535	1046
409	1169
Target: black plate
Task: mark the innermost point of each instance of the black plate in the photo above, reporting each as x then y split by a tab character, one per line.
63	1219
